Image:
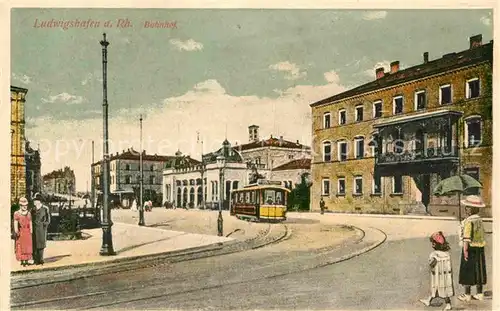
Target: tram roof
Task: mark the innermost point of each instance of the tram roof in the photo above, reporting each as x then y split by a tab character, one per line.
261	187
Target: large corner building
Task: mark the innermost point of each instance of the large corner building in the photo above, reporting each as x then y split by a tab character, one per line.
383	146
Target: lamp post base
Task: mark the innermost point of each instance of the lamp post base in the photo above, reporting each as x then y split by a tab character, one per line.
107	241
220	224
141	219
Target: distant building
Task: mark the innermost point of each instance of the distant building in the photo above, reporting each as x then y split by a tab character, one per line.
60	181
382	147
125	176
17	126
33	170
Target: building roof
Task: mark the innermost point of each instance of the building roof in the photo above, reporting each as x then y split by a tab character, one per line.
131	154
61	173
295	165
271	142
451	61
181	161
18	89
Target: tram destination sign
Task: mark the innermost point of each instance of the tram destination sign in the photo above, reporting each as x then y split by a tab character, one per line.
268	182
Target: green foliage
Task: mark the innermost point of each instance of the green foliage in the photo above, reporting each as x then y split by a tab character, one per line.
300	197
69	223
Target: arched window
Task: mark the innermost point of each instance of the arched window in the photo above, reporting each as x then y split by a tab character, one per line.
327	151
342	150
473	128
127	167
327	120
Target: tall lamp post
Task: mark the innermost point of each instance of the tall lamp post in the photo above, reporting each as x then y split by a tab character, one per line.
221	163
141	179
106	223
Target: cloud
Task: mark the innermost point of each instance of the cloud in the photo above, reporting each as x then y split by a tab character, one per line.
206	108
371	72
292	70
91	77
21	78
64	98
331	77
189	45
486	20
374	15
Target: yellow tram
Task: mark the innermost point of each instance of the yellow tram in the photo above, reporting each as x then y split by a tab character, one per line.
263	201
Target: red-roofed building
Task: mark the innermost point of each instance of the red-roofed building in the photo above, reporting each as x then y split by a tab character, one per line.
382	147
124	169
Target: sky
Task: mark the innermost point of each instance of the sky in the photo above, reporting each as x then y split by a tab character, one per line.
209	74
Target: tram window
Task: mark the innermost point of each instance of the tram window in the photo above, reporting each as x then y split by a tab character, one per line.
240	198
247	197
279	198
269	196
252	197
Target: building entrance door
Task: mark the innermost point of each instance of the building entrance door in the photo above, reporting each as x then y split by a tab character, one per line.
426	190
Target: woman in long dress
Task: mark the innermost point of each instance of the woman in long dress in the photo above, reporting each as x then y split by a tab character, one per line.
23	229
473	261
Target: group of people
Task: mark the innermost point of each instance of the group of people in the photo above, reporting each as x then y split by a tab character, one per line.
472	260
30	231
148	206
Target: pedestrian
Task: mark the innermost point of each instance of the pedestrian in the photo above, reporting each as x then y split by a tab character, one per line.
472	261
322	206
440	271
23	229
41	221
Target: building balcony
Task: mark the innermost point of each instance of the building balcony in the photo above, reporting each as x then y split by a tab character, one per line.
450	153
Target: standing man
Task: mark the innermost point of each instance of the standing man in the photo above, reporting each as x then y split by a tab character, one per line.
322	206
41	221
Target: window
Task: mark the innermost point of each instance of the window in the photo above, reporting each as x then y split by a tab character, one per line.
472	88
127	179
397	184
341	186
138	179
326	120
359	113
290	157
377	184
398	143
397	104
152	180
325	190
152	167
358	185
342	117
474	173
127	167
359	145
327	151
473	131
420	100
445	94
377	109
342	151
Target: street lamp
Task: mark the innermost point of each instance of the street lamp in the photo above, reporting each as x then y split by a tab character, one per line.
106	223
221	163
141	206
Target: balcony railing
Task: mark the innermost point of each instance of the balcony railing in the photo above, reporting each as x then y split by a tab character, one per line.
418	155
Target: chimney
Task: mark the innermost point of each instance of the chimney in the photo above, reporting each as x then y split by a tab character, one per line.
379	72
426	57
297	141
395	66
475	41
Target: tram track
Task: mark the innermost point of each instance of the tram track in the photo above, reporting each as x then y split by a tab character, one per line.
40	278
158	288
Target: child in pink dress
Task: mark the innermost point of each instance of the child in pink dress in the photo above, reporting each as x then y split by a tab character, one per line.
441	271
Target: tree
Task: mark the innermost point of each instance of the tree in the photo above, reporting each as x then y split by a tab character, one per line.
300	196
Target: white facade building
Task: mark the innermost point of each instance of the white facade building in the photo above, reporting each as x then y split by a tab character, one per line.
188	184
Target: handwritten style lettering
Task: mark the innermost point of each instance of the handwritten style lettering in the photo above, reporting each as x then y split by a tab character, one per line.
162	24
66	24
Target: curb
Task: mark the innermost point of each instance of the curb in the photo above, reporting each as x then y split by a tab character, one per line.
423	217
